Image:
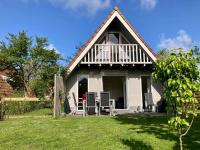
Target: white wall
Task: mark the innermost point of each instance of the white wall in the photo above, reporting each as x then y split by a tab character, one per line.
95	83
134	91
72	87
156	90
133	85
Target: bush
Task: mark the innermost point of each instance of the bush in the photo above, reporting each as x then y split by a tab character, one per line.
20	107
17	93
162	104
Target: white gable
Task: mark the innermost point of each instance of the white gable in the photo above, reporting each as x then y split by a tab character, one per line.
114	15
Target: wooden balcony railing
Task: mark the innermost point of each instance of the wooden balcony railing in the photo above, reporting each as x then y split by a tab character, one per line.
116	54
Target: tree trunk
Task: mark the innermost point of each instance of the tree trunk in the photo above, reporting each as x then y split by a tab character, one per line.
181	135
180	140
27	91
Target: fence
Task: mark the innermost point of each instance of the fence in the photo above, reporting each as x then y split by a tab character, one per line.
10	106
59	94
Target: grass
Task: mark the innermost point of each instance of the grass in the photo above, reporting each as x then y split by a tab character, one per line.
46	112
109	133
40	112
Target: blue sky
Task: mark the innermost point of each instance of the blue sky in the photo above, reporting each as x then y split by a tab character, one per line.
66	23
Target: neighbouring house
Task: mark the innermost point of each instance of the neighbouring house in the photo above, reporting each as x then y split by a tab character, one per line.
5	88
115	59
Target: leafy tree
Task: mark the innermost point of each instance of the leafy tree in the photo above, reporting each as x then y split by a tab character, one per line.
163	54
180	76
29	61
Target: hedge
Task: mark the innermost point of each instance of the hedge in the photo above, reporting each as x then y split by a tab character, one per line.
20	107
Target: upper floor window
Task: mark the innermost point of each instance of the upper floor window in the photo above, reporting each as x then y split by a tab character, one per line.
113	38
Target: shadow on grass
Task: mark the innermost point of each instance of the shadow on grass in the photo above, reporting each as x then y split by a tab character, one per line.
192	139
139	145
157	126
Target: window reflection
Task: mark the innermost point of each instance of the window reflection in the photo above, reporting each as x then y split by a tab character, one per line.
113	38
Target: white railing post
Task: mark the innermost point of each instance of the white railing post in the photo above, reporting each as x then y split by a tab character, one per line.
123	52
111	54
115	53
92	58
136	53
144	60
133	53
95	53
88	60
101	54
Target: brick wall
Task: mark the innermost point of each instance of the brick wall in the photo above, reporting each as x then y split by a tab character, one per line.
5	88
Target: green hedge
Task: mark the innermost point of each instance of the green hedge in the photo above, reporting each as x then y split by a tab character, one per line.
20	107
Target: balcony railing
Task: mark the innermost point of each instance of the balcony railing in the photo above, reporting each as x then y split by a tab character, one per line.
116	54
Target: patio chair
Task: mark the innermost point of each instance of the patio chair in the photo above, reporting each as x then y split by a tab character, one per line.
91	103
105	102
149	101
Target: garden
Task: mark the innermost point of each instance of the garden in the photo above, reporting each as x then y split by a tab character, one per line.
38	130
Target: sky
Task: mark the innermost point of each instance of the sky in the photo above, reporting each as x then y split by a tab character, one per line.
66	23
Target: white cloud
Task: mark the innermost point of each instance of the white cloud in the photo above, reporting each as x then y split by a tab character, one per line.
182	40
90	6
51	46
148	4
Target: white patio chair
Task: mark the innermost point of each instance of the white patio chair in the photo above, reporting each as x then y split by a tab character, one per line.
149	101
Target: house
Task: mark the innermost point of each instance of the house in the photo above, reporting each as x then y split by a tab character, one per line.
115	59
5	88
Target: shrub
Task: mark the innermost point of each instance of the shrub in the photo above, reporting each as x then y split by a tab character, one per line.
20	107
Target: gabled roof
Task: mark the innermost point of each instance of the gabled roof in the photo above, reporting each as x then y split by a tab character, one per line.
115	13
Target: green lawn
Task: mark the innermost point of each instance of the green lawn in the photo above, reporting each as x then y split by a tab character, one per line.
90	133
40	112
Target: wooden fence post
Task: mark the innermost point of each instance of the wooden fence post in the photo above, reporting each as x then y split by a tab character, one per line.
55	97
59	95
1	109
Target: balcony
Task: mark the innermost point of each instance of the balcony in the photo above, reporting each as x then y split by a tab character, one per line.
116	54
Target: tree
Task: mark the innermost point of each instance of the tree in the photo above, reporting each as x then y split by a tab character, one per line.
163	54
180	76
28	61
